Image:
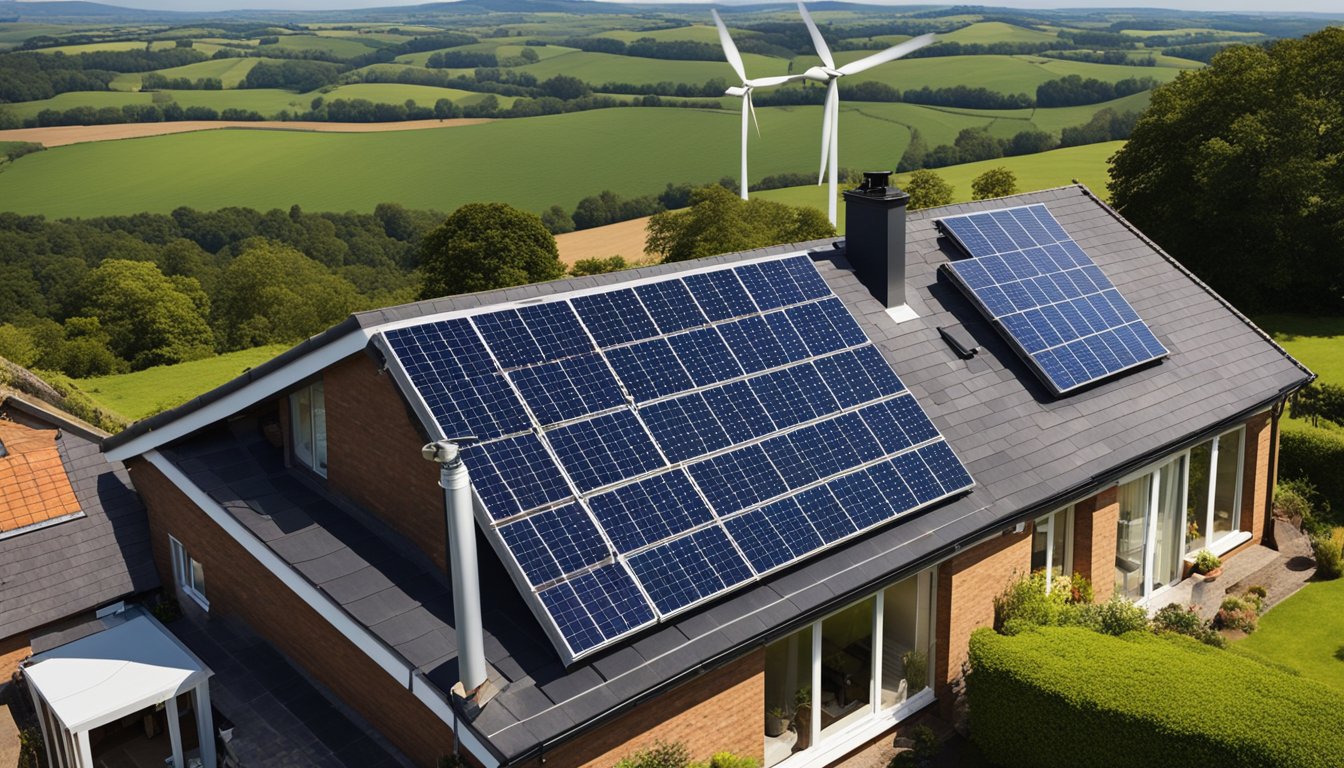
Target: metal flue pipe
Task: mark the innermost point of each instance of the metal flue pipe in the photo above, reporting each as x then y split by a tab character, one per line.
462	564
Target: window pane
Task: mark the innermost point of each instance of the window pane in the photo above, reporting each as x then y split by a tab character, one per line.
905	639
198	578
1225	502
319	429
1134	500
1040	543
301	406
1168	549
1197	505
788	691
846	666
1059	563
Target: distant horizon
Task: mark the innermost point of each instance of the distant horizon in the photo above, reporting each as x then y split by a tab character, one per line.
1200	6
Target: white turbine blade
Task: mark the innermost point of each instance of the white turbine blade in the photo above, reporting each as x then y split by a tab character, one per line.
891	54
818	41
729	47
751	106
768	82
826	129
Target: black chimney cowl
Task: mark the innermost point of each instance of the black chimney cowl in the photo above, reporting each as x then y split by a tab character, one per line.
875	236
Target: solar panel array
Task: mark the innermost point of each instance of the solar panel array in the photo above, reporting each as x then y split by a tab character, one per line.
644	449
1048	297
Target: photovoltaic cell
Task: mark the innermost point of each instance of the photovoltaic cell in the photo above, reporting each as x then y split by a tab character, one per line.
645	449
1048	297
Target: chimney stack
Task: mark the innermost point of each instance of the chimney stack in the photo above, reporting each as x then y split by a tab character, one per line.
875	237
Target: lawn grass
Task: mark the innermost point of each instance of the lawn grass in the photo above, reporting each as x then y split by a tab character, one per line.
1316	341
144	393
1305	633
1041	171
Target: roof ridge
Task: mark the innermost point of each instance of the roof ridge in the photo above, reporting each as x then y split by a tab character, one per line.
1199	282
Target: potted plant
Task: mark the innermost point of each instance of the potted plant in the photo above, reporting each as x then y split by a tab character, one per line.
802	718
1208	565
776	721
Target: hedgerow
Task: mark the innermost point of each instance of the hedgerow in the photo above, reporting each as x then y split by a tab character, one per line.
1315	454
1068	697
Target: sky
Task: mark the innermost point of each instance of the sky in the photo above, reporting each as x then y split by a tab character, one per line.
1322	6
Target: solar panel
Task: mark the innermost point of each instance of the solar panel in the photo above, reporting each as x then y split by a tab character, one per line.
1048	297
646	448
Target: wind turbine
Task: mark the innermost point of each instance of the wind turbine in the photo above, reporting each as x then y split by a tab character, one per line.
744	90
830	74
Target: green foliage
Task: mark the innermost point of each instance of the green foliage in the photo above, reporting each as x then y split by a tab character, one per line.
1299	501
726	760
31	749
720	222
928	190
144	393
1236	613
150	319
1252	144
1118	616
598	266
996	182
557	220
1206	561
1314	454
1064	697
1182	620
1025	604
660	755
17	346
272	294
483	246
1329	562
916	665
923	754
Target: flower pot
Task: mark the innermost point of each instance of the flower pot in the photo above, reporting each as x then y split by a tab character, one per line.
802	723
1211	575
775	725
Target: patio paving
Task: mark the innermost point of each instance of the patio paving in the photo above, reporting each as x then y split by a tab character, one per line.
1281	572
280	717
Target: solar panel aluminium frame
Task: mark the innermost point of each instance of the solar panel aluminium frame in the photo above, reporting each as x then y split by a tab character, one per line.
515	569
995	320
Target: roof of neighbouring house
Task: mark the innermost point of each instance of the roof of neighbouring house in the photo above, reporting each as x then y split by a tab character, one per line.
1029	452
76	536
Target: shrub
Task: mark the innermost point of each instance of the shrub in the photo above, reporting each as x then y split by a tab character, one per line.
1329	563
1180	620
598	266
1236	613
726	760
1314	454
1118	616
661	755
922	754
1025	602
916	664
1206	561
1063	697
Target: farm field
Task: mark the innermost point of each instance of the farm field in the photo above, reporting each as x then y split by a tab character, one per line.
1046	170
230	71
986	32
145	393
267	101
117	45
599	68
696	33
397	93
567	157
336	46
63	135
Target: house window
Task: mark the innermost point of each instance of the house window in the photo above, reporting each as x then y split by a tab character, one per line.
308	411
1052	545
846	678
188	574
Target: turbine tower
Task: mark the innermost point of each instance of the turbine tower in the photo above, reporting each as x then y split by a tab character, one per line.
830	74
744	90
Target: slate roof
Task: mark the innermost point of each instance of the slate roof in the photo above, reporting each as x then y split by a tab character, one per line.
57	571
1029	453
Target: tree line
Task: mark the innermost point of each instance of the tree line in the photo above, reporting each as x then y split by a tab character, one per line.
29	77
976	144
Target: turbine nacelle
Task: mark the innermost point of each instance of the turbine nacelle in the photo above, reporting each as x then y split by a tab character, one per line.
821	74
737	90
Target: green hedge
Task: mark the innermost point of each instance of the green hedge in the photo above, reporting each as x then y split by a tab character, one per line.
1316	454
1071	698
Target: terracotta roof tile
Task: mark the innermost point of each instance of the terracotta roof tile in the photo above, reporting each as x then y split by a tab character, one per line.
34	487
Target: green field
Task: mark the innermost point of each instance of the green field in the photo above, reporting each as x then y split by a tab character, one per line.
15	32
267	101
397	93
986	32
1306	633
697	33
230	71
336	46
126	45
567	157
1042	171
599	68
145	393
1316	341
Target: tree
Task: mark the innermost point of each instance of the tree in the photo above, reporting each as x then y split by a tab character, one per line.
482	246
598	266
565	87
928	190
1235	170
719	221
16	346
149	318
975	144
996	182
557	220
913	157
273	294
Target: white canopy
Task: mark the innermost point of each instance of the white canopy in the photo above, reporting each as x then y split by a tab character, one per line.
106	676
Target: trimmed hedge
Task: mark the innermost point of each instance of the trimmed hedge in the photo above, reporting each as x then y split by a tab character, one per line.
1071	698
1316	454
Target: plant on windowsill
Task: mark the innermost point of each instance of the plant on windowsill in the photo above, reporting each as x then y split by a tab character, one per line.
802	718
916	665
1208	565
776	721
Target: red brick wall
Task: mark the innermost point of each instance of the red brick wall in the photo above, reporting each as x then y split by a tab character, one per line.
967	586
723	710
239	586
1094	522
373	454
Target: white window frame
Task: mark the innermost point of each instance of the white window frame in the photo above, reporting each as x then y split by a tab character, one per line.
1220	545
1049	522
826	749
185	568
317	432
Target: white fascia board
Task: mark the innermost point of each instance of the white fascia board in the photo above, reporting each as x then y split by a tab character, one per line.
272	383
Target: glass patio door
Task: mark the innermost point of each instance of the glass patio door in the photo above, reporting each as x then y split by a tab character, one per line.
1167	541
